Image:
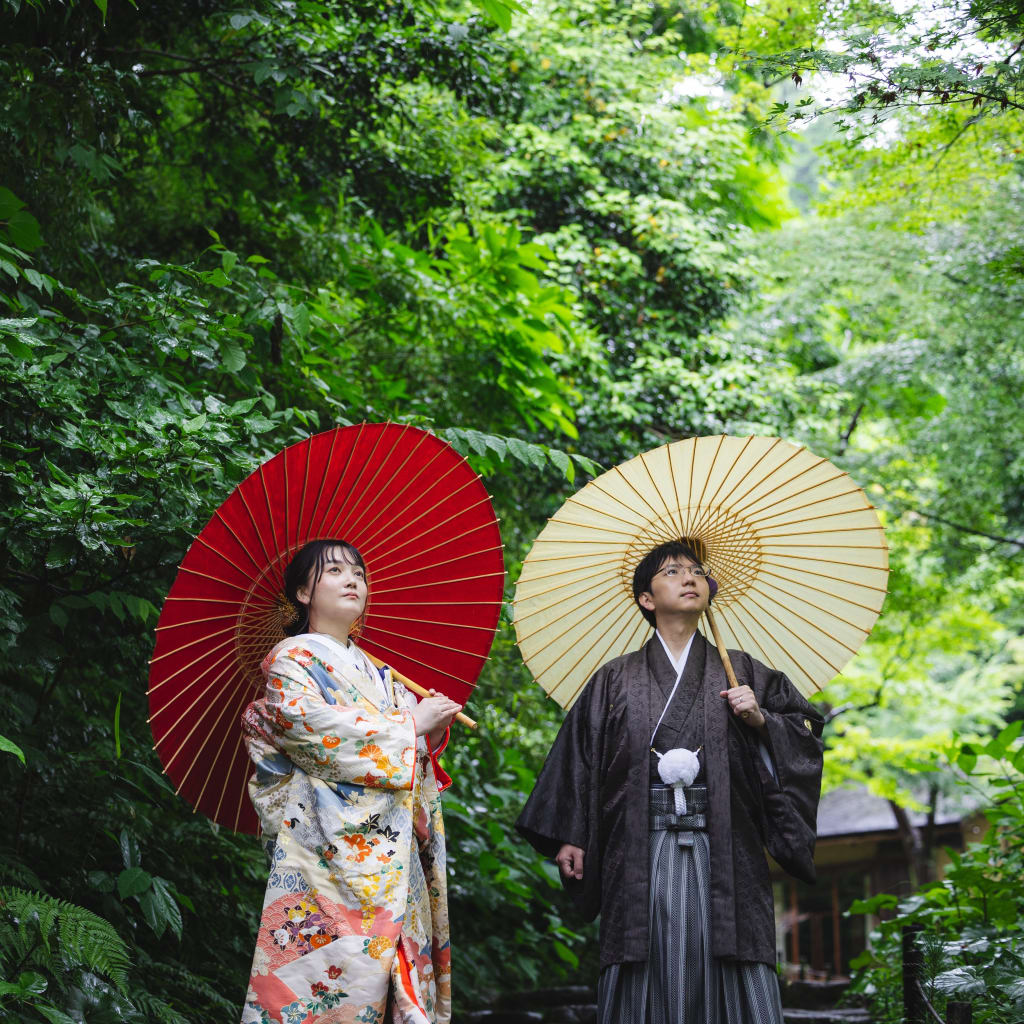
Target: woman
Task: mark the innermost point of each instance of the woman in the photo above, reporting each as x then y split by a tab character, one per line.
355	923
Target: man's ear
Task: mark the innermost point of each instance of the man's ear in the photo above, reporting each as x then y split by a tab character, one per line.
646	600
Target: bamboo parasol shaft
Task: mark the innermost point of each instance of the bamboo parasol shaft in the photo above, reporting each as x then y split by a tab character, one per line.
420	691
720	644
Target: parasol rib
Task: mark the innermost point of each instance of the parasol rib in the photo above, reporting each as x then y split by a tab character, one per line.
766	571
205	638
166	679
357	524
205	684
407	523
220	711
197	622
422	664
762	518
753	485
548	624
419	640
755	589
316	526
224	787
252	581
431	622
656	489
445	583
602	578
444	562
799	639
758	645
838	475
398	514
322	482
747	441
270	513
434	528
353	487
584	655
777	487
629	483
608	587
638	627
238	540
255	525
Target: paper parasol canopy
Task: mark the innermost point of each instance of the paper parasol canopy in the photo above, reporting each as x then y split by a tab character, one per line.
797	549
423	522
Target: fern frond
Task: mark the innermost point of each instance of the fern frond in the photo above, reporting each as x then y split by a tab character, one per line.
86	939
14	872
182	979
156	1009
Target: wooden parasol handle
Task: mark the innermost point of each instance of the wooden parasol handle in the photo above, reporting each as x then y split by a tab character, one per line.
730	675
420	691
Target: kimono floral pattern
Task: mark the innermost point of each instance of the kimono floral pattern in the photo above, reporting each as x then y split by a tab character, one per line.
355	917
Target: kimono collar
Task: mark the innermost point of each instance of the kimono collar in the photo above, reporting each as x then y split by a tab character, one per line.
350	665
680	663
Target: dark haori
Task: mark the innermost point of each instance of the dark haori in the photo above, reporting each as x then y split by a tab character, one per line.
687	932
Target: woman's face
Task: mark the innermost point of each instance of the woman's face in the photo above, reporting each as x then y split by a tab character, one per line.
339	596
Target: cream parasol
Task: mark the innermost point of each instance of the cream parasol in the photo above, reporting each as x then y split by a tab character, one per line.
795	545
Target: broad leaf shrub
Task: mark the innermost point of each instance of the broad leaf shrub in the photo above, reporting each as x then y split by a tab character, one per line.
129	414
973	918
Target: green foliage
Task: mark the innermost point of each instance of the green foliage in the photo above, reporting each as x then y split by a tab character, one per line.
973	919
502	894
55	949
962	53
549	235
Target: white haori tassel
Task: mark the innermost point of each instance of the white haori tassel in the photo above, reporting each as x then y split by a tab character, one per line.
678	768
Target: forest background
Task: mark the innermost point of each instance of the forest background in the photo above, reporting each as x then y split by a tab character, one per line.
559	236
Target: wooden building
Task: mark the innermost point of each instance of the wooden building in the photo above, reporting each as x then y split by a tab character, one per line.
859	854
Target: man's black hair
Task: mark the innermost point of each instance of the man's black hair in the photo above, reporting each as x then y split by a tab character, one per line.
306	568
652	562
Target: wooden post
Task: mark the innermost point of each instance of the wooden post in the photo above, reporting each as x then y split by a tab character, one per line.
837	952
959	1013
913	962
794	932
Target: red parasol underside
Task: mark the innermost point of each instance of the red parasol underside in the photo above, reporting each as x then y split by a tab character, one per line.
423	522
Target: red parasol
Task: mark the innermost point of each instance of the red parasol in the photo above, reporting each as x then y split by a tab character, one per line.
423	522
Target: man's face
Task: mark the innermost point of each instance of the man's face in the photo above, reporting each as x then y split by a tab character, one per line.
676	589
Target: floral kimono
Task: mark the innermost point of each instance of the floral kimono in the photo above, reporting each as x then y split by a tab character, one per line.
355	918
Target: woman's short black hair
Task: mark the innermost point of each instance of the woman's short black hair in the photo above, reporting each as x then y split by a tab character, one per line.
643	575
306	568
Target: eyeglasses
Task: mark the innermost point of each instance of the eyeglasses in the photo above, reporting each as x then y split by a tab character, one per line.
671	571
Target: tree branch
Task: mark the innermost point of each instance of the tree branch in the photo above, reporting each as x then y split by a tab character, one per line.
844	438
967	529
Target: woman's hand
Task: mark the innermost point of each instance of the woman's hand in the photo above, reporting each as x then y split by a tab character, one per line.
432	715
570	861
744	703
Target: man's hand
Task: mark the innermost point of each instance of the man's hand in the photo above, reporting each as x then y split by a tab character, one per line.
570	861
744	703
433	715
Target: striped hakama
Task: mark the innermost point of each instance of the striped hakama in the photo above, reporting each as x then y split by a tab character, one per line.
682	983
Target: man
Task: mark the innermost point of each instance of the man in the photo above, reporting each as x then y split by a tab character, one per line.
687	925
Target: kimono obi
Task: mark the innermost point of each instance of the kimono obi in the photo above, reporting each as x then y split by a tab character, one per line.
663	815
